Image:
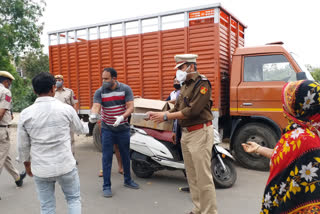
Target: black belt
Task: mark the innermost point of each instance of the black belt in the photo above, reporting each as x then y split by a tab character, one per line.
4	126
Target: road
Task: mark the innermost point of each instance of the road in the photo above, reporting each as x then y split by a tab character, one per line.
157	195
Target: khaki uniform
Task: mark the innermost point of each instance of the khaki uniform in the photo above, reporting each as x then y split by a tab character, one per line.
195	103
67	96
5	160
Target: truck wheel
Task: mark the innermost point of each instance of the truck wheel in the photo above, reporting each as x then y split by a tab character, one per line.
223	178
256	132
97	137
141	170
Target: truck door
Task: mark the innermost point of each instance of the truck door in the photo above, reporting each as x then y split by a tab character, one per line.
259	93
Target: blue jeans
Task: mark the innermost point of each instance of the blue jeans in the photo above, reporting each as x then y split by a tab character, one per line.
108	138
70	185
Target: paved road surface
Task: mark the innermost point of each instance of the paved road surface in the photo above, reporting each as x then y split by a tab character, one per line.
157	195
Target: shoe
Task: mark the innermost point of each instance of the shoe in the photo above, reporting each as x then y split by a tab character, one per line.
184	189
107	193
20	181
132	185
77	163
100	173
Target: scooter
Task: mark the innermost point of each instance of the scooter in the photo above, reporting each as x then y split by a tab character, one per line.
152	152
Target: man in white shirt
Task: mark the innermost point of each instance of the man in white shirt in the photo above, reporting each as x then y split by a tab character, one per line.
175	93
44	138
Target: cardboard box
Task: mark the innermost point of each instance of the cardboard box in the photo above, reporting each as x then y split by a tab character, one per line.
144	105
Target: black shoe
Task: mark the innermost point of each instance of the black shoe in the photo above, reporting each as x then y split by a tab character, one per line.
20	181
184	189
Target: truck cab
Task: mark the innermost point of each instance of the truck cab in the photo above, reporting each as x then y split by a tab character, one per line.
258	75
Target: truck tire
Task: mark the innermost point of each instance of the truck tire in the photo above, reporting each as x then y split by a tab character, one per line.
97	137
256	132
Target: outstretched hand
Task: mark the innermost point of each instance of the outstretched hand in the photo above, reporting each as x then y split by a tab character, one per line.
156	116
250	147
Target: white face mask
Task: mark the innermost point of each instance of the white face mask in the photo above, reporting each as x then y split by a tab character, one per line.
182	75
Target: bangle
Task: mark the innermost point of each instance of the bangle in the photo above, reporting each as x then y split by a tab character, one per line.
256	150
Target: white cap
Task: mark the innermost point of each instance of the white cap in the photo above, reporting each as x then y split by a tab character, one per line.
184	58
6	74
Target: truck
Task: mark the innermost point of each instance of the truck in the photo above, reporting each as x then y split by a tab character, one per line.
246	81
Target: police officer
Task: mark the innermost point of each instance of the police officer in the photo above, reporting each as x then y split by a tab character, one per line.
193	111
67	96
5	120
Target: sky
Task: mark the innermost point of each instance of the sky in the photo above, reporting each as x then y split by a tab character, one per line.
295	22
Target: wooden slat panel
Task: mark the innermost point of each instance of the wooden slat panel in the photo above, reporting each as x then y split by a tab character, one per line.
150	66
203	42
146	61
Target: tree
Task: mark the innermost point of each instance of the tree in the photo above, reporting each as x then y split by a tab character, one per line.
19	32
33	63
316	74
22	92
19	26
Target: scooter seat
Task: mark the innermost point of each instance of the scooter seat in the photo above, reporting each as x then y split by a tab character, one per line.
160	135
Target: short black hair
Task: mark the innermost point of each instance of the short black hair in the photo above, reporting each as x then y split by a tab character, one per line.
3	79
112	71
43	82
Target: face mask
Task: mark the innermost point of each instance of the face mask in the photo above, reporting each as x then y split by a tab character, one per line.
59	84
177	86
107	85
182	75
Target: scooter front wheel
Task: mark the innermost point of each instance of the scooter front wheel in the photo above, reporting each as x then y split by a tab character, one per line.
223	178
141	169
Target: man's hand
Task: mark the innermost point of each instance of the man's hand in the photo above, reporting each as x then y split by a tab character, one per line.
119	119
156	116
93	118
27	165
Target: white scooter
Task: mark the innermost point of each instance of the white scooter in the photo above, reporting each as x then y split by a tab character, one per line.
149	154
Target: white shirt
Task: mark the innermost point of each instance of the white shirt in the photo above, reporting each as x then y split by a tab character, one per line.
173	95
44	136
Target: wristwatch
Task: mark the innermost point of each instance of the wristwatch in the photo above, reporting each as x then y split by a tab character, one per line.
165	117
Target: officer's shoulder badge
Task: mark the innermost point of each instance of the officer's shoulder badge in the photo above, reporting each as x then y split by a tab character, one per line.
203	90
8	98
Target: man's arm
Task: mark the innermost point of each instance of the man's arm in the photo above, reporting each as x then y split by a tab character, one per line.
159	116
96	107
129	106
2	112
77	125
24	146
75	107
198	102
73	101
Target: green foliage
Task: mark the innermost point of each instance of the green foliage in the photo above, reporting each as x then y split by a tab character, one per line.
316	74
22	92
34	63
19	27
19	31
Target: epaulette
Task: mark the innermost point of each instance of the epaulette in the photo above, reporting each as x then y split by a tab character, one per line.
203	78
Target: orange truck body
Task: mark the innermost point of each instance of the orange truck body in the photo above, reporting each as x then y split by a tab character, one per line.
142	51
